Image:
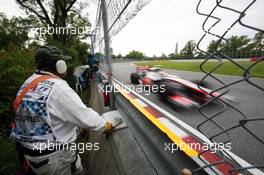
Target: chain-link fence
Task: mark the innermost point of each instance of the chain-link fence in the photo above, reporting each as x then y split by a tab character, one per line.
119	13
242	122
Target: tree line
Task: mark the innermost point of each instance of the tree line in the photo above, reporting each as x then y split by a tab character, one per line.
233	47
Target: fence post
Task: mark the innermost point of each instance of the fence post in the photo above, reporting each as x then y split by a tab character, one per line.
107	52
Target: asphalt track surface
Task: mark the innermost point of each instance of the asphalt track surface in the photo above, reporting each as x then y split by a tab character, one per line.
250	102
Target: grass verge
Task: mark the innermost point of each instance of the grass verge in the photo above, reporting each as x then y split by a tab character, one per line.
227	68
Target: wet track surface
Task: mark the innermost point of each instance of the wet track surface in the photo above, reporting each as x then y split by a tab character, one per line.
250	101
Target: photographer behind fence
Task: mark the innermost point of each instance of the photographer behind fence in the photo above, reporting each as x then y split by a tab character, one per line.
84	74
93	63
47	111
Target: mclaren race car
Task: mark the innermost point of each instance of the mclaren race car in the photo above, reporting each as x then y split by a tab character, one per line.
174	89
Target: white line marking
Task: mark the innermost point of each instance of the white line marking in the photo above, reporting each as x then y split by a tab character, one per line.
179	132
141	103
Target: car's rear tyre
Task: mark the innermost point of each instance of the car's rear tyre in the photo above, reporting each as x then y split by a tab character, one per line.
134	78
166	91
203	84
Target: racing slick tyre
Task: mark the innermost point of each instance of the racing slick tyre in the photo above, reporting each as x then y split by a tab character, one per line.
203	84
134	77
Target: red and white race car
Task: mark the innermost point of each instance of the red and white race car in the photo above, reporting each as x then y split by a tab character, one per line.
173	89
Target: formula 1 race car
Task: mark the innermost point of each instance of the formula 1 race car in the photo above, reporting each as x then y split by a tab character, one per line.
173	89
147	76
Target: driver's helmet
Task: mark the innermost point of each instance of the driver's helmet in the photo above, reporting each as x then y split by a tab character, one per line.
144	73
155	69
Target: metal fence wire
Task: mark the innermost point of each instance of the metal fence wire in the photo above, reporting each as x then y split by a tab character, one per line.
243	121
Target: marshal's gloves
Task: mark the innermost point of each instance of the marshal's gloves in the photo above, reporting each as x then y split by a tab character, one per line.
111	122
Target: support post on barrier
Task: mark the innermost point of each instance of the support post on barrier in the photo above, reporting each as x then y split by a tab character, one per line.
92	40
107	52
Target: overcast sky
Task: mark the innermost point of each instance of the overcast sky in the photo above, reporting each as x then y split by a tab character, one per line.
162	23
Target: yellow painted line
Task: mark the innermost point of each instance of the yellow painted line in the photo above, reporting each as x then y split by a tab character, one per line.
176	139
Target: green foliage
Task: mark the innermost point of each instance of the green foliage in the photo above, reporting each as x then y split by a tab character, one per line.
213	45
59	14
15	66
234	43
135	55
13	31
172	56
119	56
9	163
189	50
258	41
239	44
163	56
